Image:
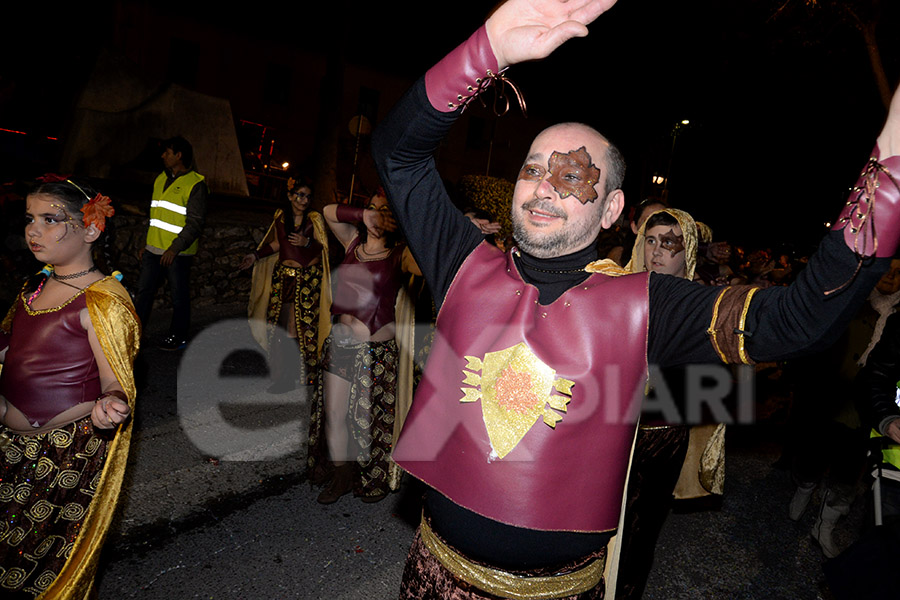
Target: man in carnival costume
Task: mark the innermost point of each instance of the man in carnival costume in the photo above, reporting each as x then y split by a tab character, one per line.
523	424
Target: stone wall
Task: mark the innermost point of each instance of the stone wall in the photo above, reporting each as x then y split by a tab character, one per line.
215	278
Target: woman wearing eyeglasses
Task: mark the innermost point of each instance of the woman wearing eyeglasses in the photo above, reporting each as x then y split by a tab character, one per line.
359	398
291	292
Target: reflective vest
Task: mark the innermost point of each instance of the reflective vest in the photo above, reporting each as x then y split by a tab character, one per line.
890	452
168	210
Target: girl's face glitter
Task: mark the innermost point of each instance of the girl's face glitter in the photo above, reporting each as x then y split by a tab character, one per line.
51	233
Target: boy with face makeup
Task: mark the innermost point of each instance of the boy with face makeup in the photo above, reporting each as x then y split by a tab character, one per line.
664	250
666	243
523	424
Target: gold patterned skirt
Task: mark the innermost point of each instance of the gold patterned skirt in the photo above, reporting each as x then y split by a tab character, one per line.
371	369
299	290
47	482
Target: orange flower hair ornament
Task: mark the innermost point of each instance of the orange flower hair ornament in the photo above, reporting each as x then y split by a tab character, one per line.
97	210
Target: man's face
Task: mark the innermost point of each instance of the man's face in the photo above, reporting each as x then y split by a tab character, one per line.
558	204
664	250
171	159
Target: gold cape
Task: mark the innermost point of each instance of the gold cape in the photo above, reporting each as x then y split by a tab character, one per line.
405	319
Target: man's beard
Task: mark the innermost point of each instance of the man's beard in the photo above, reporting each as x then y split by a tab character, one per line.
565	240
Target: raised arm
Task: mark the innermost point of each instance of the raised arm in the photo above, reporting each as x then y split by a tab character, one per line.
814	310
404	143
866	231
342	220
778	323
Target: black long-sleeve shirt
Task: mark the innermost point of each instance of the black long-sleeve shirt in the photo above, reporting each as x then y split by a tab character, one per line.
782	322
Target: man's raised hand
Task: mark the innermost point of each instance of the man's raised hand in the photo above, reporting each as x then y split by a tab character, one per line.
522	30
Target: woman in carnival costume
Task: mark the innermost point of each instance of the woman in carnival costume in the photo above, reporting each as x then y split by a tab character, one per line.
66	394
290	296
366	384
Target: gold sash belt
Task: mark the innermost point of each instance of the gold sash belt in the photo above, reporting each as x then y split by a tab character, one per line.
510	585
289	271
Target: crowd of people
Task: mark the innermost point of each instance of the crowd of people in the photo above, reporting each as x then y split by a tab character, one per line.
543	478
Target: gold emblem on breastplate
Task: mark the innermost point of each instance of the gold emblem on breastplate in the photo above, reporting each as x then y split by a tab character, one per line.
516	389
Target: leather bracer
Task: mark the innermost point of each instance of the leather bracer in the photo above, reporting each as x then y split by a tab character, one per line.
870	219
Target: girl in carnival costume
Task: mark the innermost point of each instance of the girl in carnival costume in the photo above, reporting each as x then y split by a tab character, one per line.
290	296
66	393
365	388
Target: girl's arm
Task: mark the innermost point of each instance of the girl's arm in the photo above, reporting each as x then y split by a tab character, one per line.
338	219
111	408
249	259
342	220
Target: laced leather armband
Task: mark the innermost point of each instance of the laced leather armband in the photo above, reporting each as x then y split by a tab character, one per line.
726	330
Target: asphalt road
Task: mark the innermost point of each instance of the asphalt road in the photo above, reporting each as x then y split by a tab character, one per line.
217	504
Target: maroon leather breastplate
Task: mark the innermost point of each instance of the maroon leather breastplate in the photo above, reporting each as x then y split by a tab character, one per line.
288	251
368	289
526	413
49	366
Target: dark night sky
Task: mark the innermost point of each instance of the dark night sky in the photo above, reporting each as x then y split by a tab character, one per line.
778	129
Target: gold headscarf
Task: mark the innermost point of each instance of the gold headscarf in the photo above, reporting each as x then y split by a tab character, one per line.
688	230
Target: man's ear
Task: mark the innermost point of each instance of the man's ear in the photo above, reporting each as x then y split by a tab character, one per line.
612	208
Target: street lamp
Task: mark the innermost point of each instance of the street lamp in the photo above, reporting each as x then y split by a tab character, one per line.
675	131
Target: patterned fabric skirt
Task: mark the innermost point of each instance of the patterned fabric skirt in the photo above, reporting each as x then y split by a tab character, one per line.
371	369
425	578
47	482
299	288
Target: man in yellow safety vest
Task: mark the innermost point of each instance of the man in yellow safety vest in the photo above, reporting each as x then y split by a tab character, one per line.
177	213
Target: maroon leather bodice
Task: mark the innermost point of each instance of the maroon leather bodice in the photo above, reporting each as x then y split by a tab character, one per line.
49	366
288	251
503	368
368	290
